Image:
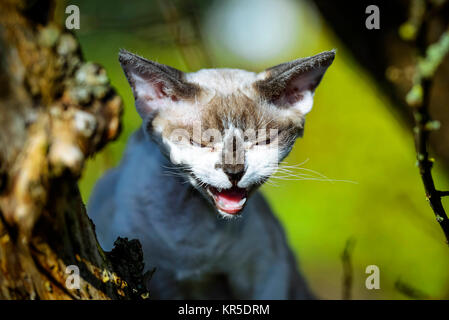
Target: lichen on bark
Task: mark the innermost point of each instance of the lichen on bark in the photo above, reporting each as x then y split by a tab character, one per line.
56	110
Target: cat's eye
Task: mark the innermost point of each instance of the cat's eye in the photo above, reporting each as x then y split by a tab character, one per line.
196	144
268	140
263	142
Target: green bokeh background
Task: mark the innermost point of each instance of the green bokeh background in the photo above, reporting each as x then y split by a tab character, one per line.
351	134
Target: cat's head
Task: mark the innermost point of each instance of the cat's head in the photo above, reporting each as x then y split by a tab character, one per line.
225	130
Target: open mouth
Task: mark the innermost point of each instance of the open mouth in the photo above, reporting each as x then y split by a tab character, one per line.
230	201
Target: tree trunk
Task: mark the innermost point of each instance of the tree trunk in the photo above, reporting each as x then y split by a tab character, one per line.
55	111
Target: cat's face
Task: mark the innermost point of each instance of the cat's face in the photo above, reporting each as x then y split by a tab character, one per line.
225	130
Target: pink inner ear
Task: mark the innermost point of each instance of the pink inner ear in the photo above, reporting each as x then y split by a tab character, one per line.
159	90
296	88
293	95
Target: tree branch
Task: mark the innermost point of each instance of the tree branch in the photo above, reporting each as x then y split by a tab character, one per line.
347	269
430	57
56	110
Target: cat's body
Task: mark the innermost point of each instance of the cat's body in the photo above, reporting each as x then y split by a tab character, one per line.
196	253
187	185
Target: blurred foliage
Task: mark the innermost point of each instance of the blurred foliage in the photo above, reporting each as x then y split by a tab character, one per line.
351	134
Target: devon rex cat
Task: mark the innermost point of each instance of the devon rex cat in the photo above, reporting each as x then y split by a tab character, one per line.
197	159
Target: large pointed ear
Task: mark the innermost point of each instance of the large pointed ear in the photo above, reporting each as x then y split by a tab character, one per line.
154	85
292	84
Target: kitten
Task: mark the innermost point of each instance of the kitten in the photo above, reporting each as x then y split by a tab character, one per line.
208	140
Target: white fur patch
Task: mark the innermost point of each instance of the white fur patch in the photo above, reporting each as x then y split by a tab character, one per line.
223	81
305	104
261	162
199	161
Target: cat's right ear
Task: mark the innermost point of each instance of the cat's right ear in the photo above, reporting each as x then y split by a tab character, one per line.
154	85
292	84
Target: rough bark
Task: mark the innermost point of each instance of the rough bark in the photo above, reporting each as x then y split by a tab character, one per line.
55	111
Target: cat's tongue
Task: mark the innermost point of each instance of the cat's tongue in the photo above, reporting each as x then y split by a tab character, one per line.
230	200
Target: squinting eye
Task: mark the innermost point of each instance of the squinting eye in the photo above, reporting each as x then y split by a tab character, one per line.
196	144
267	141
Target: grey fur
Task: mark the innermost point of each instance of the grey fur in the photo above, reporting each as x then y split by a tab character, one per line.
197	255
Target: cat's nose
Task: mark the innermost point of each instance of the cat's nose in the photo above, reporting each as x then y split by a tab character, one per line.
233	176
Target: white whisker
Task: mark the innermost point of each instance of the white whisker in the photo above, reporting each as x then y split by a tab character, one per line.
296	172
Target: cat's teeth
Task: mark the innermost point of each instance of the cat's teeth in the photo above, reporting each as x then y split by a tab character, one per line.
219	189
230	206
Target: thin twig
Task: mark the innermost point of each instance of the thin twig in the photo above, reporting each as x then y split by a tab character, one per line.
443	193
419	98
192	49
409	291
347	269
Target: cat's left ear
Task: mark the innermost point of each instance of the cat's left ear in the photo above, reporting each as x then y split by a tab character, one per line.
154	85
292	84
